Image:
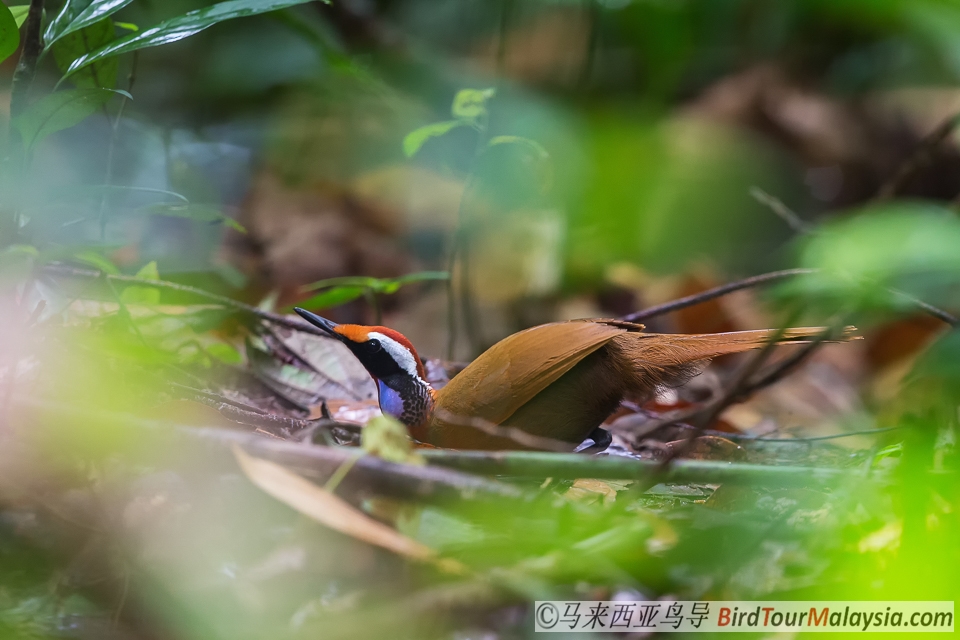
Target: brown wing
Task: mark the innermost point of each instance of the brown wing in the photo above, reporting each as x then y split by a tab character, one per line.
517	368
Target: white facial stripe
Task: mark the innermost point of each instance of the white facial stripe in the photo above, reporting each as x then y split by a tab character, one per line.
400	353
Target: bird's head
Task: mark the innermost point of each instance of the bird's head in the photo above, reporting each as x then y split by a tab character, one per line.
384	353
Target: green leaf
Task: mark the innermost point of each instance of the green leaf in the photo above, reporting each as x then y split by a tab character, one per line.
391	286
333	297
910	247
416	138
129	26
181	27
195	212
9	33
377	285
388	439
470	104
97	260
20	13
60	110
74	17
78	43
350	281
143	295
149	271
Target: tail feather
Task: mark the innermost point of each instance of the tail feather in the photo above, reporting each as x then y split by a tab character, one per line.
656	361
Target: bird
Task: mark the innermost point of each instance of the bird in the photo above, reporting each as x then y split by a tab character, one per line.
557	381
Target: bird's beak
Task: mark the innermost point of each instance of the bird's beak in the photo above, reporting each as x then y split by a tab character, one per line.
317	321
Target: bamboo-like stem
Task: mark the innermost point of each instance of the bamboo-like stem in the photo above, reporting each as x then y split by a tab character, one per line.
536	464
369	473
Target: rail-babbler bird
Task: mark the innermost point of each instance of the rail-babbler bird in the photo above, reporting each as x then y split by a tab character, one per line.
558	380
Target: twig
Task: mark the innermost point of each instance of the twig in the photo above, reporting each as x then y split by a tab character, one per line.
108	177
275	318
784	212
744	437
936	312
775	372
29	54
921	157
498	431
716	292
764	278
714	408
835	436
705	414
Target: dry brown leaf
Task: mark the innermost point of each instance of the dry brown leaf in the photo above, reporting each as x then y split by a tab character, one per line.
326	508
589	490
355	411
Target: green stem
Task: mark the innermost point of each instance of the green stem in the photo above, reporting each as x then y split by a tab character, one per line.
574	465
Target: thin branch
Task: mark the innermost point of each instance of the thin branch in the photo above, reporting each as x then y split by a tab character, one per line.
784	212
275	318
936	312
836	436
111	145
775	372
716	292
714	408
705	414
765	278
920	158
29	54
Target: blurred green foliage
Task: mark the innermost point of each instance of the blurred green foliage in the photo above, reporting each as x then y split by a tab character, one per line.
617	145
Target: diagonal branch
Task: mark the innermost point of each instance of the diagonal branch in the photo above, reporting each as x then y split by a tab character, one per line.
29	54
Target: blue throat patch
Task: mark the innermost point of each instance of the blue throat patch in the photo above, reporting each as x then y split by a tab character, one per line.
390	401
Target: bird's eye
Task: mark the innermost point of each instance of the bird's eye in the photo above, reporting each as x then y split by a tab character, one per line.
374	345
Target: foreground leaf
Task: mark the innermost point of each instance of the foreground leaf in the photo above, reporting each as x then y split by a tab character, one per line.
78	43
73	18
143	295
9	33
326	508
60	110
20	13
470	104
195	212
333	297
181	27
418	137
387	438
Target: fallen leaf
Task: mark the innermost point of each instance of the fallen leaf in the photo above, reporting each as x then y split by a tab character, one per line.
355	411
326	508
589	490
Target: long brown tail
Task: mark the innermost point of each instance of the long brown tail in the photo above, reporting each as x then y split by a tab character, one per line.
654	360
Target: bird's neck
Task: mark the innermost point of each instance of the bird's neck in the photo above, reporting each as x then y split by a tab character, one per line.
408	399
